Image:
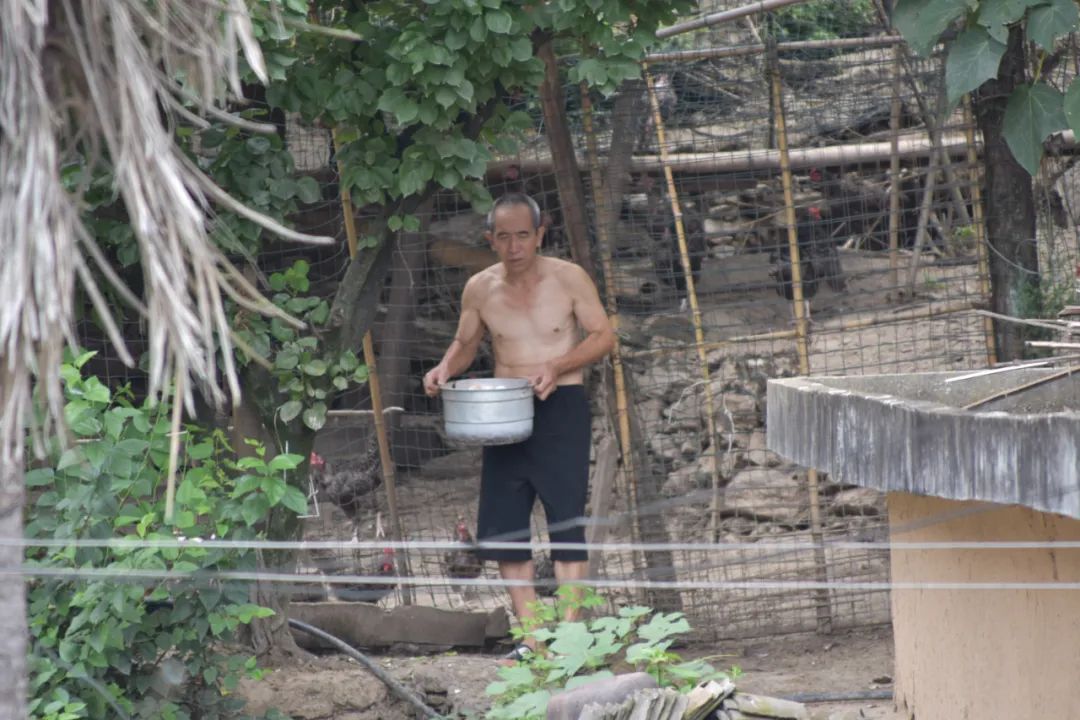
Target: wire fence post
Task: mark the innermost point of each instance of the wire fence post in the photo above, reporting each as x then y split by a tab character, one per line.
824	604
386	459
691	296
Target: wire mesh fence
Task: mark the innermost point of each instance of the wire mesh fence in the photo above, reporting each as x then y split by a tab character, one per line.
755	210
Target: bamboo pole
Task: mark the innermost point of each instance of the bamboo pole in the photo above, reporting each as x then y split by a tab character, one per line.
758	49
912	146
924	219
979	227
831	326
932	126
174	441
386	460
726	16
824	602
622	406
894	173
691	295
1067	372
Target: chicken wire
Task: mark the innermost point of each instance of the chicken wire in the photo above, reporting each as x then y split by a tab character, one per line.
888	292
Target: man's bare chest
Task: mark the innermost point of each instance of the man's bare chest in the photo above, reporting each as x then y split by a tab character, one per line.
537	315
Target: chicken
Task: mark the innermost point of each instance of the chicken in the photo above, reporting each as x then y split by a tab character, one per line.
463	562
661	226
818	258
544	576
348	483
369	592
861	208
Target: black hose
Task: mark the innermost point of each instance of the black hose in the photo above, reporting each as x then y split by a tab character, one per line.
395	687
854	695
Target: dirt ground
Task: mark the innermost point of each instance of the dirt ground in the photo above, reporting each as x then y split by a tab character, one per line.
335	687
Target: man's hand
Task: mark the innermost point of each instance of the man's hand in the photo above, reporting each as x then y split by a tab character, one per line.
545	383
435	377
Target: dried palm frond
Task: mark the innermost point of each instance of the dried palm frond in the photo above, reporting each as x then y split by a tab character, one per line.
100	80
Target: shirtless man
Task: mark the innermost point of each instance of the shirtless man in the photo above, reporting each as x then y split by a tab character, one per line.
536	310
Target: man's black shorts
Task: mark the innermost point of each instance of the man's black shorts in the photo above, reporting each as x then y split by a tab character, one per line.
552	464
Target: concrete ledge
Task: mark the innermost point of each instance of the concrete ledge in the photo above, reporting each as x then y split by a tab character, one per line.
910	433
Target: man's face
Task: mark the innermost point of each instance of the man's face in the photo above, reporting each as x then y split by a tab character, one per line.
513	238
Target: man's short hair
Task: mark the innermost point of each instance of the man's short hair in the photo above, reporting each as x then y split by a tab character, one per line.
510	200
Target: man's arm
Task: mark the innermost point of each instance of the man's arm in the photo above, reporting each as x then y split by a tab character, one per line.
599	339
462	350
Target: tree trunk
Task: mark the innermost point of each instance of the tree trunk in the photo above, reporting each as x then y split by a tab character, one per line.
1010	206
13	626
563	157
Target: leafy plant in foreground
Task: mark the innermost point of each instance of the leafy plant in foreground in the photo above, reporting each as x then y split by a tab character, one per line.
110	641
580	652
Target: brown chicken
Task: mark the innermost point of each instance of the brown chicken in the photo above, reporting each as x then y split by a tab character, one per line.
463	562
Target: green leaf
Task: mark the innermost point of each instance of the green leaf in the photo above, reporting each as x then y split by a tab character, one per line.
286	360
246	613
295	500
498	21
315	416
307	189
922	21
634	611
257	145
1046	23
200	451
973	59
446	96
315	368
95	391
290	410
663	626
254	508
274	487
1031	115
285	461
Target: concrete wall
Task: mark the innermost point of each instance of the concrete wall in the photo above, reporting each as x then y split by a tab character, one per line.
981	654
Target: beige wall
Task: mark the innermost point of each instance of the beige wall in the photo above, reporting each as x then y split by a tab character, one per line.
984	654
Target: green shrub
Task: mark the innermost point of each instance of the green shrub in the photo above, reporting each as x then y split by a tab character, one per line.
108	640
577	653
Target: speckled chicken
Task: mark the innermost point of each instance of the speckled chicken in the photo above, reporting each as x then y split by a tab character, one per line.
463	562
348	482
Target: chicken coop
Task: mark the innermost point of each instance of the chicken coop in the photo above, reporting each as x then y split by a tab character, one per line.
765	202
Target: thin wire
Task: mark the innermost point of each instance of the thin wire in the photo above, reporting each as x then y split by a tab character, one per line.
125	544
793	585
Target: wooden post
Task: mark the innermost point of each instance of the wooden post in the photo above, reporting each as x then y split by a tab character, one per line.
894	173
385	458
691	294
824	603
563	157
622	405
979	227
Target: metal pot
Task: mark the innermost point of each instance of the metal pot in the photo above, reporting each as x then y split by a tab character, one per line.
487	411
